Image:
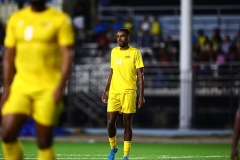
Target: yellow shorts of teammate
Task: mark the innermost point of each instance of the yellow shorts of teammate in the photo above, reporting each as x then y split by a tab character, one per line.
122	102
38	103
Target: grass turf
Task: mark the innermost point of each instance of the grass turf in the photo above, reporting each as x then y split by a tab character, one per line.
145	151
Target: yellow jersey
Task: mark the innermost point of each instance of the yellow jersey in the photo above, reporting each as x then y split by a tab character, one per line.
37	37
125	64
156	30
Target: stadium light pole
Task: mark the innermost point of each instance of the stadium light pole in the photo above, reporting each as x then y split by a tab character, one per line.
185	65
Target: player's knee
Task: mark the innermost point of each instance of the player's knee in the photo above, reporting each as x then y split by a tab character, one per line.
44	144
127	123
8	137
111	122
128	127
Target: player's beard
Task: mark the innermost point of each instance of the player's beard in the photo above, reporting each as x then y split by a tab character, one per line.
122	45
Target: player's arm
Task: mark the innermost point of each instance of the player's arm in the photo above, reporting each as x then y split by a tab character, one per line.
65	40
9	57
141	87
104	95
8	71
66	52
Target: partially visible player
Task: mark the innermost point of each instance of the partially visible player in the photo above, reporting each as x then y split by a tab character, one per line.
126	67
36	65
235	138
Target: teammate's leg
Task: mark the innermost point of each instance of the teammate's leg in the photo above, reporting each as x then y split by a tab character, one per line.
11	125
111	127
45	142
129	108
127	121
112	130
235	138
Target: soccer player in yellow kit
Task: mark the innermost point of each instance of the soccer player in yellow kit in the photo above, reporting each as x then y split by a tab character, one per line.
36	65
126	67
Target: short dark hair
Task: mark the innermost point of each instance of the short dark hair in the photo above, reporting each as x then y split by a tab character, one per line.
124	30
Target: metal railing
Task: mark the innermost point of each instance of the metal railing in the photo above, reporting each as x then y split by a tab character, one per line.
163	79
216	90
209	79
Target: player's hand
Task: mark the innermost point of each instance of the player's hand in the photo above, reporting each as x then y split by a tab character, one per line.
58	94
141	100
104	97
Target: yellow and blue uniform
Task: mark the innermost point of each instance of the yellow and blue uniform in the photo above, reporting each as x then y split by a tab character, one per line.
37	37
122	93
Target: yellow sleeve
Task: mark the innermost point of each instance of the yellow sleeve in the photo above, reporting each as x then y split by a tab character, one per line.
139	61
66	33
10	39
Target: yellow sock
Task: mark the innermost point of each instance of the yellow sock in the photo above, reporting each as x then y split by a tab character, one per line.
46	154
126	147
112	141
13	150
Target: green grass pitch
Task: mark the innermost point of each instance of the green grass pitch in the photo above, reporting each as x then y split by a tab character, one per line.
139	151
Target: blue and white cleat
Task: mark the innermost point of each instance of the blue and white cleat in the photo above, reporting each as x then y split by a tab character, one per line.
111	155
125	158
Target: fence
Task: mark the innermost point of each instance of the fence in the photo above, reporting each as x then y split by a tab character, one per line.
215	99
163	79
216	92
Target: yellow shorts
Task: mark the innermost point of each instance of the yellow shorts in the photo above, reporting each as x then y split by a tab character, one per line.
38	103
122	102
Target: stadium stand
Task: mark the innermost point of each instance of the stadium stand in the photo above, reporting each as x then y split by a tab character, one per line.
216	86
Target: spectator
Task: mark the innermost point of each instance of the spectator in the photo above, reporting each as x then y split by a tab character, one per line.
201	37
226	44
156	30
149	59
171	50
103	45
231	55
145	29
207	52
216	39
79	25
236	40
220	59
163	57
99	28
117	24
130	26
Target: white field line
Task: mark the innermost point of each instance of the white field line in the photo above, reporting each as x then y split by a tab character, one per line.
103	157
